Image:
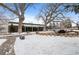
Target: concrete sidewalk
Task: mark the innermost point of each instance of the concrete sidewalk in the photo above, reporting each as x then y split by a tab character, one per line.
7	48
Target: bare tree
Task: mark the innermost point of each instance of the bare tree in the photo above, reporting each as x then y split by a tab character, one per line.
67	23
49	13
77	24
3	23
19	10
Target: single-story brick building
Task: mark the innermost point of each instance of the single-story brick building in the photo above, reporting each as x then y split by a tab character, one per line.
6	26
13	27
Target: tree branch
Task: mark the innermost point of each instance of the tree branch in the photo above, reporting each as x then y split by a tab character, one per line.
3	5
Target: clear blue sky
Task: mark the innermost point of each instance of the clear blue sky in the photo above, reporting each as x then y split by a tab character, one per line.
32	12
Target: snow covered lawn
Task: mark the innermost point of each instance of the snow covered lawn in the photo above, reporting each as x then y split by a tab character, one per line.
38	44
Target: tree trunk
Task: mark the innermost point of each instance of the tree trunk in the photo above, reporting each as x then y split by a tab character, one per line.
78	27
21	19
45	28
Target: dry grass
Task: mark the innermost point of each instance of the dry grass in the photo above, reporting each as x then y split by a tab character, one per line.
59	34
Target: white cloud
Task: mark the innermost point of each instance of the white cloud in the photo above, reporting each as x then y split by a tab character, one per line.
29	19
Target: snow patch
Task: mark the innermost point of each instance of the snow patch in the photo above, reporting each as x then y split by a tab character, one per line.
38	44
2	41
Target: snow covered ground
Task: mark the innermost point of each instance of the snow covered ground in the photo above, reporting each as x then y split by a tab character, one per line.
2	40
38	44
